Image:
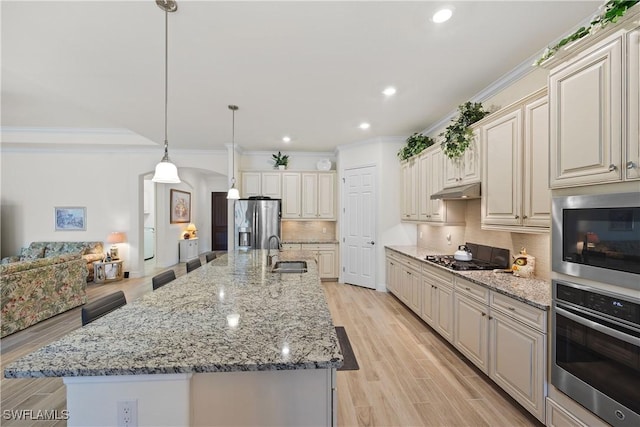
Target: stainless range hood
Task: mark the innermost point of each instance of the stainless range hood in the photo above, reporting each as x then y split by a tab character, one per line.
463	192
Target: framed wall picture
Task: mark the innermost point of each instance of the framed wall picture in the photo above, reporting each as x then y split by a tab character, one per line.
70	218
180	207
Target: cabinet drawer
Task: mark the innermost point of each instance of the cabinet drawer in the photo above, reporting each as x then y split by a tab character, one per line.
472	290
442	276
318	246
520	311
291	246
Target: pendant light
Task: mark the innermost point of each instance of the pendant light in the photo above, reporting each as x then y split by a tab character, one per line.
166	172
233	193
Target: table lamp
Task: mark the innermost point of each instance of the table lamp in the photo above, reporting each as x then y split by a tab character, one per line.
191	228
114	238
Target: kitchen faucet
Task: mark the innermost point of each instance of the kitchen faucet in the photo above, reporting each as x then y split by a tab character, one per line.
269	256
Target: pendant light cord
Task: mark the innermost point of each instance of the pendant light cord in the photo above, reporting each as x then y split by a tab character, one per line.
233	109
166	81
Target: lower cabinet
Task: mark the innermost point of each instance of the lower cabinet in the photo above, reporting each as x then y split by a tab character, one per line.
471	335
437	300
505	338
188	249
326	255
518	362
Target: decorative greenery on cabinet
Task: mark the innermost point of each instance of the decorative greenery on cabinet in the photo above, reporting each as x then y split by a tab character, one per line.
611	11
280	159
459	135
416	143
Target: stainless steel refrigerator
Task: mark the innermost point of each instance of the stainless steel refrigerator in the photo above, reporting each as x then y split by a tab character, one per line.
255	221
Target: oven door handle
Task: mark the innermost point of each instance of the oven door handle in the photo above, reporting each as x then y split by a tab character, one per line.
598	327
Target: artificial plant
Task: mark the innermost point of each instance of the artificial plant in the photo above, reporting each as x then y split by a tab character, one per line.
416	143
459	135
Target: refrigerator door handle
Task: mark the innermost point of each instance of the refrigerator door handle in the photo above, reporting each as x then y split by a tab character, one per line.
256	226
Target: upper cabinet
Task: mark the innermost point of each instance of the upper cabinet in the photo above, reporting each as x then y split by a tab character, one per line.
318	195
262	184
515	193
632	163
305	195
466	169
409	192
594	99
422	176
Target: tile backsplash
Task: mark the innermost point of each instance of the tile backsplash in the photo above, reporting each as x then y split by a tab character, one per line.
321	230
537	245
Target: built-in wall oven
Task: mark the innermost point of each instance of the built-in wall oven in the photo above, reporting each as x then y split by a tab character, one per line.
595	249
596	351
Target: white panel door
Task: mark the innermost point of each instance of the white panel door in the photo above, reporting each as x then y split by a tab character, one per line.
359	232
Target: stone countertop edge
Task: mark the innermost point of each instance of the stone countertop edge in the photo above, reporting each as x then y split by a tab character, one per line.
535	292
183	327
309	241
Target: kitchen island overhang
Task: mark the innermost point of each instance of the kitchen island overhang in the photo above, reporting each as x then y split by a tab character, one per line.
230	342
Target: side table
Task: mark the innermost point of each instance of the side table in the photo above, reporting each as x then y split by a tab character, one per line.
107	271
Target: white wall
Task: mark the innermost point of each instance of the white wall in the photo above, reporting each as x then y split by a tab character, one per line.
381	152
109	182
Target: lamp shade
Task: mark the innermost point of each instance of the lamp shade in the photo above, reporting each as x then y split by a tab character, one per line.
116	237
191	227
233	194
166	173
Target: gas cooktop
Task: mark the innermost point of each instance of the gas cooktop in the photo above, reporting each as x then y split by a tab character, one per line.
483	258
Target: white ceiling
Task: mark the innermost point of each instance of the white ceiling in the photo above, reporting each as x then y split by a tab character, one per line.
310	70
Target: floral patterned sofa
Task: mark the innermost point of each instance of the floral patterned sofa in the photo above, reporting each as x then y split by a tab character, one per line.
90	252
33	290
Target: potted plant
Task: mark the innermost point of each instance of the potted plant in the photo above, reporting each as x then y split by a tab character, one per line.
458	135
281	160
416	143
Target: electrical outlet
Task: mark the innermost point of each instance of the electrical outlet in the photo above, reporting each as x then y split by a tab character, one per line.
421	234
449	239
324	230
128	413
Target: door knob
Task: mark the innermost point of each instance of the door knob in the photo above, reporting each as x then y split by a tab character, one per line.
372	243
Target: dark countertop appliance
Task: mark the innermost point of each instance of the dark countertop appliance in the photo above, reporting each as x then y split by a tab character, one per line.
483	258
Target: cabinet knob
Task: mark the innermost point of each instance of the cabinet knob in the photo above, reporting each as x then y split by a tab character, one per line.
631	165
612	167
511	308
483	314
490	317
517	216
525	217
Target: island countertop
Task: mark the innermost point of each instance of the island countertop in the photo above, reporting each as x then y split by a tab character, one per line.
284	323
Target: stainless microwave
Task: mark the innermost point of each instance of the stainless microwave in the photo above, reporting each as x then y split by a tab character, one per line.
597	237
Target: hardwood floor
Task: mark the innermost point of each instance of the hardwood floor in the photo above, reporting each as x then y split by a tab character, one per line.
408	375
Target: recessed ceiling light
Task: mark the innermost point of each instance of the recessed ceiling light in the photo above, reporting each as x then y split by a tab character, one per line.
389	91
365	125
286	139
442	15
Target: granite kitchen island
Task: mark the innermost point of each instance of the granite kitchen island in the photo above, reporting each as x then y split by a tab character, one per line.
229	343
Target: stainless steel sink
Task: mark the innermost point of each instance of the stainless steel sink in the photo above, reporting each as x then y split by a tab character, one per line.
289	267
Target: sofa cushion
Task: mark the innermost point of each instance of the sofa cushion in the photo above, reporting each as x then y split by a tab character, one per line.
32	253
16	267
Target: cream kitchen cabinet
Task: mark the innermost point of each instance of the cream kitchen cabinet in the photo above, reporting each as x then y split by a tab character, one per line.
471	322
409	190
392	273
437	300
518	362
318	195
467	168
262	184
515	194
327	257
422	177
410	288
291	196
632	157
594	107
